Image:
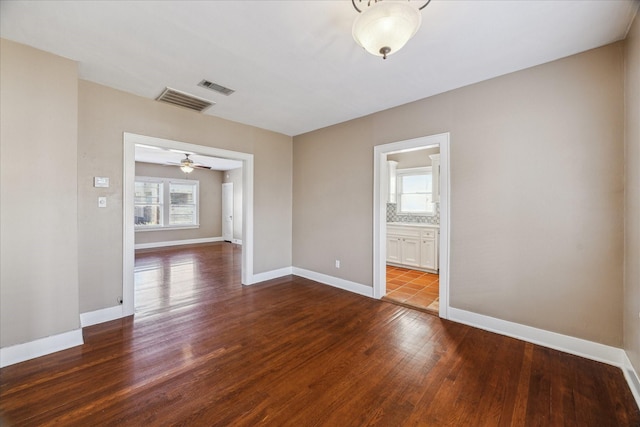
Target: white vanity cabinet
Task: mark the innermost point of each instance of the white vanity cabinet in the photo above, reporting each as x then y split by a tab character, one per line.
403	247
429	249
394	249
414	246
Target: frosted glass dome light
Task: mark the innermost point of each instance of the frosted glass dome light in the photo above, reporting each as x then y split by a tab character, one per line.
386	26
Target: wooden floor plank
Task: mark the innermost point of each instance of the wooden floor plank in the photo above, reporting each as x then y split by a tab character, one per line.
204	350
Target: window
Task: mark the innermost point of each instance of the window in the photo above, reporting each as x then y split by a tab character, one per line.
164	203
148	203
415	191
183	207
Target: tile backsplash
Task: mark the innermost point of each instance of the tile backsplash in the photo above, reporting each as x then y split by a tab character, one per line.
394	216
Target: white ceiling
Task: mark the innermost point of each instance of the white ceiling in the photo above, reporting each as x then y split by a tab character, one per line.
293	64
161	156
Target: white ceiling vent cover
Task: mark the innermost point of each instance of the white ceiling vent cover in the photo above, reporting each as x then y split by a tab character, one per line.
182	99
216	87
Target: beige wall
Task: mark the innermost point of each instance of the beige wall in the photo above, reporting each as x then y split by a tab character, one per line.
104	114
210	215
536	193
632	197
38	202
235	176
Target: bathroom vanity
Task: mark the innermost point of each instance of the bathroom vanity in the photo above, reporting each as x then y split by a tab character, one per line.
413	245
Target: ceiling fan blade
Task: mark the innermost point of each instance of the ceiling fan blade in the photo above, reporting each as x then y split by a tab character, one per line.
195	165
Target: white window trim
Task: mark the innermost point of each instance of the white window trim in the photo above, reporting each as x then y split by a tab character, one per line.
166	203
144	228
412	171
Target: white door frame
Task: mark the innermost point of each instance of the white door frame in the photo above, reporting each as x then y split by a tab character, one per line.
130	139
380	187
227	191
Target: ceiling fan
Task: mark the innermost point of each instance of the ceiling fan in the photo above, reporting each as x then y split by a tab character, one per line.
187	165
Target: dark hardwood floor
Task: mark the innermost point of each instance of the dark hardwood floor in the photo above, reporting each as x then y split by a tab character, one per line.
204	350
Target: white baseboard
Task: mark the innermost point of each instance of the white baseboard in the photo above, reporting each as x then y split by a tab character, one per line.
237	241
268	275
568	344
177	243
40	347
99	316
588	349
632	377
336	282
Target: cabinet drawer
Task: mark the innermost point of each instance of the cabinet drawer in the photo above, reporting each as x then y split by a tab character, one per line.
403	232
429	234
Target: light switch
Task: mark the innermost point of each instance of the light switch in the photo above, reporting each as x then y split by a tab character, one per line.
100	181
102	202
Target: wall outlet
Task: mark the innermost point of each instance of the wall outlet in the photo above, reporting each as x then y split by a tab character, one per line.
337	263
102	202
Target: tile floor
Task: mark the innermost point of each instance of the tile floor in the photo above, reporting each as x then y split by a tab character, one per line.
413	288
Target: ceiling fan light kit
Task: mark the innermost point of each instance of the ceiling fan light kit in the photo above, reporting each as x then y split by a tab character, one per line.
186	164
384	27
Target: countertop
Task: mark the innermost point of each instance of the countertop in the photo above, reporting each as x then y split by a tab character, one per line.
415	224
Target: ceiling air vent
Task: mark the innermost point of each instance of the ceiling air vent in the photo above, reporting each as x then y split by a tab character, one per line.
218	88
183	99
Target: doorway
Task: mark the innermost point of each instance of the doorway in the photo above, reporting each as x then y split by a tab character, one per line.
130	140
381	186
413	288
227	211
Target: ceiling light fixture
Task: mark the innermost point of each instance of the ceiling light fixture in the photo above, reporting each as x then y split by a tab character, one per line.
386	26
186	164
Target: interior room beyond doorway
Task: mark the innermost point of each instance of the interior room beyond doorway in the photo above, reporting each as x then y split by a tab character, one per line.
413	288
412	228
184	150
172	279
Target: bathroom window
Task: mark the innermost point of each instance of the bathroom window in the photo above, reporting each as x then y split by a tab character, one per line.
415	191
164	203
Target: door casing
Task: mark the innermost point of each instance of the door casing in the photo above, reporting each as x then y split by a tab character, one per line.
379	212
227	211
130	140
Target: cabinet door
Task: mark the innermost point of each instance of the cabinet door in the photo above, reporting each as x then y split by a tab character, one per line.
394	249
411	251
428	254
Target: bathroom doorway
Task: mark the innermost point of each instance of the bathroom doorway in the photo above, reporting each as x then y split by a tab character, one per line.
411	241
